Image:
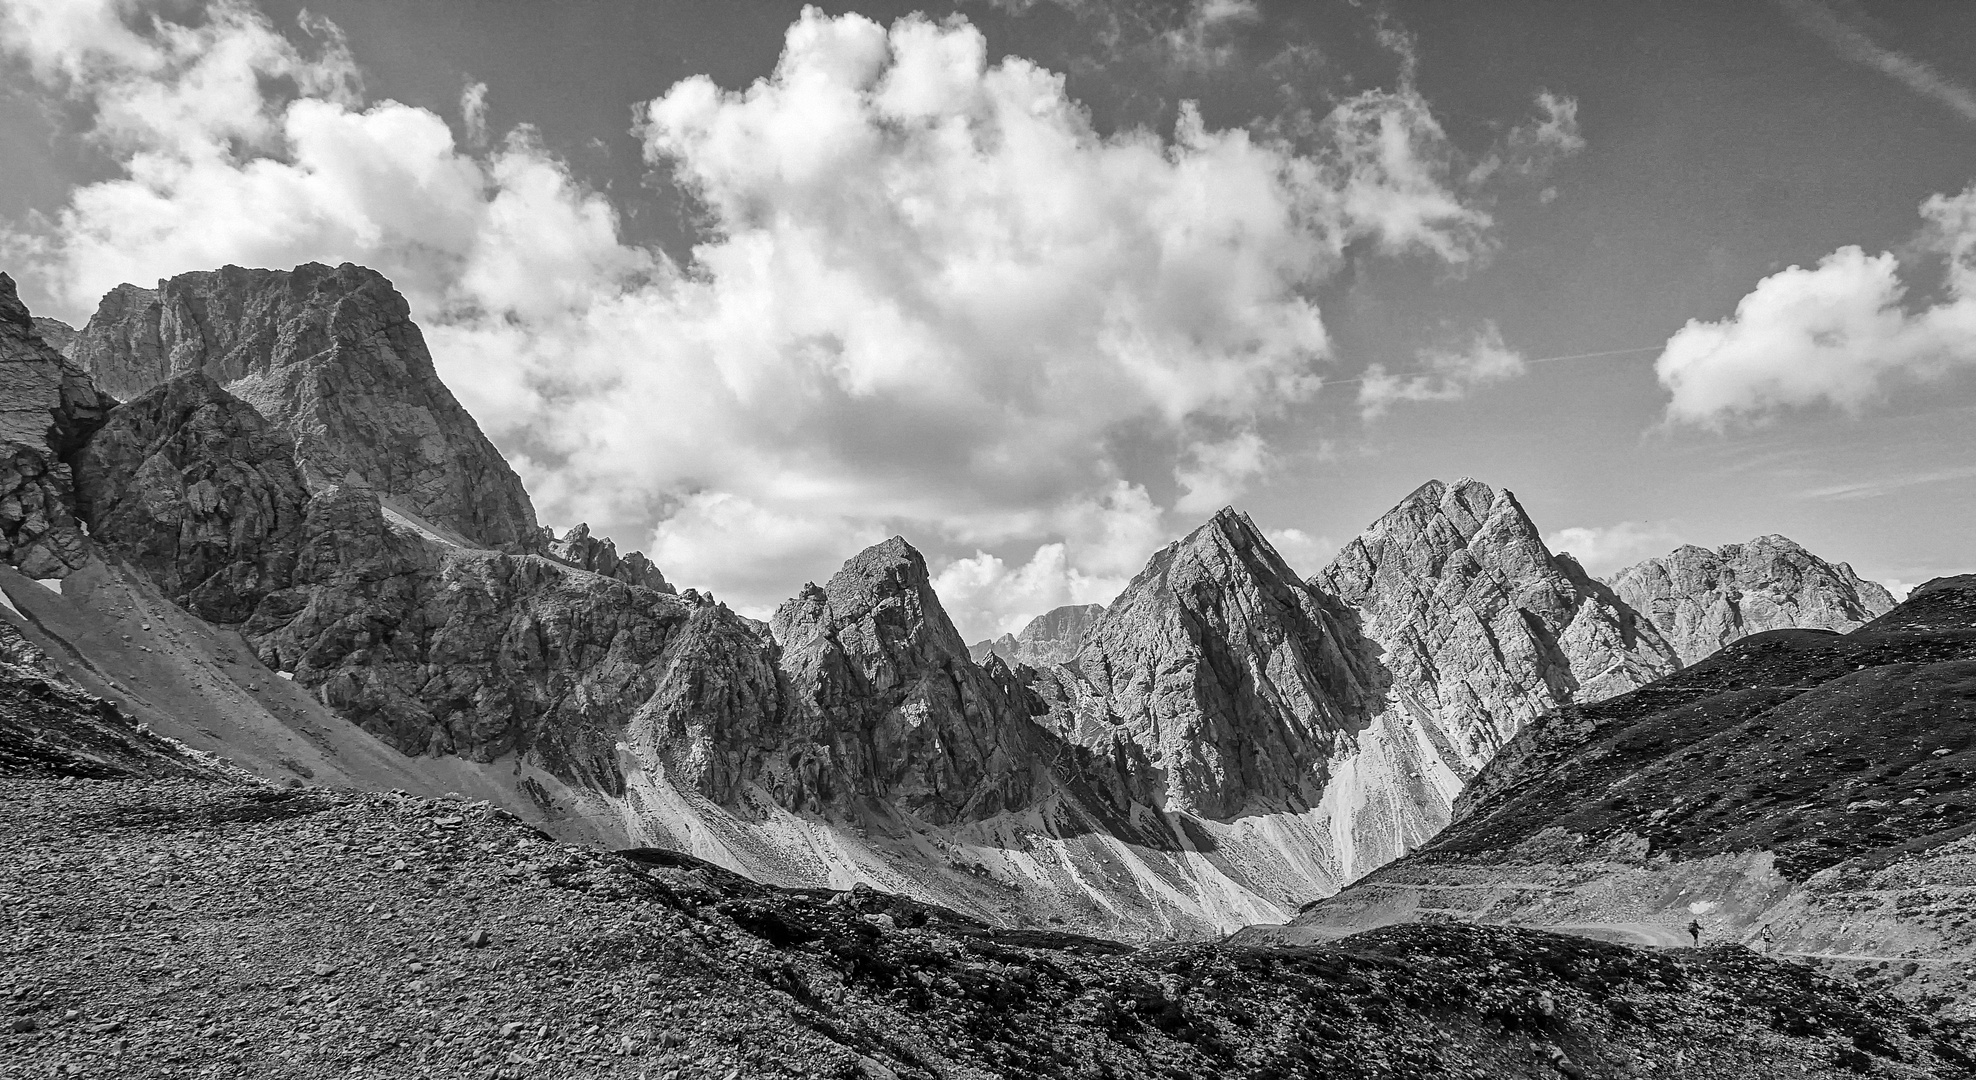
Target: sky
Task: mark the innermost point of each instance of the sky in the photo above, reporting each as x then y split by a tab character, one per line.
1041	284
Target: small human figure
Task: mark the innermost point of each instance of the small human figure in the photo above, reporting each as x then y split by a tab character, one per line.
1695	931
1764	936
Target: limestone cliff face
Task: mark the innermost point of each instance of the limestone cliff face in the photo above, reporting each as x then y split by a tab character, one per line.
1050	638
48	408
1482	628
331	357
1236	680
1702	600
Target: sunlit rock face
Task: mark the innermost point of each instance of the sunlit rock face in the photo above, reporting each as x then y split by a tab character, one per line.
330	356
1050	638
1702	600
1479	630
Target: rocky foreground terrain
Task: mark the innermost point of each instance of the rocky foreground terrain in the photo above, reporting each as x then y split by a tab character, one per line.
194	926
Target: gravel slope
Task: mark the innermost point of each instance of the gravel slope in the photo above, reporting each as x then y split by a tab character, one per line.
179	928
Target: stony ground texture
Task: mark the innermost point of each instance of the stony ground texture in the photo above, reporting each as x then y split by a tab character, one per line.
182	928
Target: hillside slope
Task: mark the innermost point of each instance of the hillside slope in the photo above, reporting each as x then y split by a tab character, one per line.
1802	790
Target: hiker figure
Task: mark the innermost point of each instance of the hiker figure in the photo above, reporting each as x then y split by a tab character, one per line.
1695	931
1765	934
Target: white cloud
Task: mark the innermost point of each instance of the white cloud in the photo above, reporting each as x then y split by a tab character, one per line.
1305	553
1899	588
1214	473
1446	374
1109	541
929	300
1206	37
473	113
1841	333
1608	548
1855	45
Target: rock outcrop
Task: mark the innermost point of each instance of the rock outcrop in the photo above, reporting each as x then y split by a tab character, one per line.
1050	638
200	493
1482	628
48	408
1702	600
599	555
331	357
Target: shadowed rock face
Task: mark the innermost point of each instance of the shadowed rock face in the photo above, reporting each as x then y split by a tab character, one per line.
331	357
48	407
1702	600
200	493
886	703
1482	628
1236	680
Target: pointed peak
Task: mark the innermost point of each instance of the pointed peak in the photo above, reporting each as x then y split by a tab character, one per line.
11	309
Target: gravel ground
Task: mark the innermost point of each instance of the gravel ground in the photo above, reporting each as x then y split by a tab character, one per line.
181	928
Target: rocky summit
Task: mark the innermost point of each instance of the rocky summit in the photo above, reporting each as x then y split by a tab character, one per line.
1050	638
1479	629
1702	600
329	356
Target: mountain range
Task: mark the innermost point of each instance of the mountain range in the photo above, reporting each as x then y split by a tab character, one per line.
242	510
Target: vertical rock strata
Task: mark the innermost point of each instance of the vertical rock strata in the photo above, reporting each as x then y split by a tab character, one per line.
1236	680
1703	600
1482	628
331	357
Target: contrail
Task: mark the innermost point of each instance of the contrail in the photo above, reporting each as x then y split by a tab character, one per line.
1856	46
1537	360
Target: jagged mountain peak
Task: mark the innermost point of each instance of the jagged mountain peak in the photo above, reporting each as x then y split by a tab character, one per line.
1703	599
599	555
330	355
1480	629
887	582
1234	677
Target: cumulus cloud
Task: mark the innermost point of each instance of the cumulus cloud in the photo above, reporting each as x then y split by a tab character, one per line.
1604	549
1840	333
930	297
1444	375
